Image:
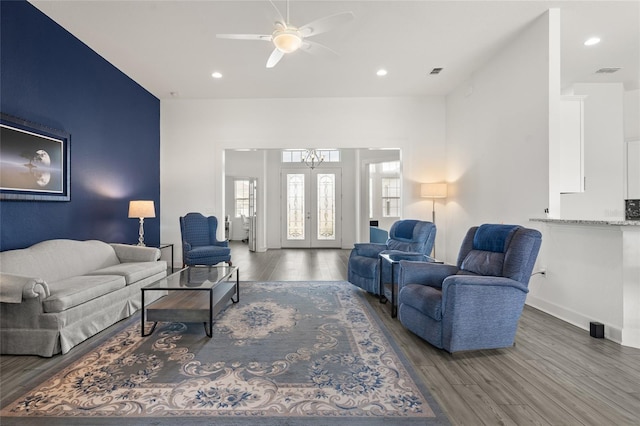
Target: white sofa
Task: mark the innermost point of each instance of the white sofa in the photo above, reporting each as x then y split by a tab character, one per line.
57	293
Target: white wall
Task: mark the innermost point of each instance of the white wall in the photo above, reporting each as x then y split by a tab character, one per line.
584	276
196	133
497	139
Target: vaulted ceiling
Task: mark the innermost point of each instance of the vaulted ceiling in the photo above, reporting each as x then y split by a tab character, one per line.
171	49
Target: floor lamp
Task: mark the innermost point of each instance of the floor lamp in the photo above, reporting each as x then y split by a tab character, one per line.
433	191
141	209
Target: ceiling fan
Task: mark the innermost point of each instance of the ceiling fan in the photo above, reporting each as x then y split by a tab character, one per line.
288	38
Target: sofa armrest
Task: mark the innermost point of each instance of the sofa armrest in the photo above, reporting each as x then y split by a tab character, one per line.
15	288
129	253
425	273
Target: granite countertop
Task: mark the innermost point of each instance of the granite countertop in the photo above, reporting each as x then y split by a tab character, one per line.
588	222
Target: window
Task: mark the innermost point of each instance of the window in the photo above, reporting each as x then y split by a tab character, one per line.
390	196
391	167
241	197
296	155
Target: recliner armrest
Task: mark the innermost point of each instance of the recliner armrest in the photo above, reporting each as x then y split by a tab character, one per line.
224	243
369	249
425	273
477	290
481	280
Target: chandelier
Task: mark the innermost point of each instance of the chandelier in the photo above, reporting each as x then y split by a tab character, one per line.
311	158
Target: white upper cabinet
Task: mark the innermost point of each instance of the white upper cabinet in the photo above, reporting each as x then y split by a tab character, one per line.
571	152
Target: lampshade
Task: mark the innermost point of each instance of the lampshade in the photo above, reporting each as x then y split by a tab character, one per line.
142	208
287	41
433	190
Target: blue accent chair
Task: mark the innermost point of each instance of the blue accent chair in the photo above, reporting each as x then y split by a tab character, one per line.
412	236
477	303
199	243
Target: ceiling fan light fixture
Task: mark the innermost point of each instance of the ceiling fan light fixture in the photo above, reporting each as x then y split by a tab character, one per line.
287	41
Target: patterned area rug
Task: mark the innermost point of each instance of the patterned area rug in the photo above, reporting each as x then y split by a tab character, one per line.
288	353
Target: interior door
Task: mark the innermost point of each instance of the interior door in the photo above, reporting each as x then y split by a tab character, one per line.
253	218
311	208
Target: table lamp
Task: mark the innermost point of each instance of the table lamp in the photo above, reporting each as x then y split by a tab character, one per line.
433	191
141	209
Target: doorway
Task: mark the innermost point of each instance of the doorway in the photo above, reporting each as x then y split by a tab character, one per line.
311	207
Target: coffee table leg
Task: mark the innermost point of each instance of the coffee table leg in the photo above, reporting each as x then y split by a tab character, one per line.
237	287
209	331
394	306
382	297
142	315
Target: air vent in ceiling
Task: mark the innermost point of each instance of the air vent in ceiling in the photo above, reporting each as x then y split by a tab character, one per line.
435	71
609	70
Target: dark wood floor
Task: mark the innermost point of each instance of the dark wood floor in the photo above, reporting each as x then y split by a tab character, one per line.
555	375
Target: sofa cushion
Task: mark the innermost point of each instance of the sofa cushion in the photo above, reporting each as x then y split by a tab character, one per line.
74	291
494	238
132	271
207	251
423	298
483	263
55	260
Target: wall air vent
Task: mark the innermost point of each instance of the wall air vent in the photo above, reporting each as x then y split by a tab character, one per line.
435	71
609	70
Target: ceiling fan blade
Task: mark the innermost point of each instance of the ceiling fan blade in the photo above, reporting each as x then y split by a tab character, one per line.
314	47
245	36
274	58
325	24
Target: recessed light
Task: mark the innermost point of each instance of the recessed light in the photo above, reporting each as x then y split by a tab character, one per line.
381	72
592	41
216	74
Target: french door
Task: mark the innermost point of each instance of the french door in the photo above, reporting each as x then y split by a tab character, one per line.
311	208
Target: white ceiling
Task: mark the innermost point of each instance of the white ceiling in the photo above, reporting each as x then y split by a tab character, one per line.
170	47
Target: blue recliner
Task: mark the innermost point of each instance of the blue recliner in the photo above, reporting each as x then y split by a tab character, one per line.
199	243
412	236
477	303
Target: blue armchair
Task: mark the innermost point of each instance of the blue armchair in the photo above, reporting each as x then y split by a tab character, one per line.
477	303
413	236
199	243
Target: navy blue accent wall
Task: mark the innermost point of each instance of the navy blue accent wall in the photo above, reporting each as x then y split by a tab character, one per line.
49	77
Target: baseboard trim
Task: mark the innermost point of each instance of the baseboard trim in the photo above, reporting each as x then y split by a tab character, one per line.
574	318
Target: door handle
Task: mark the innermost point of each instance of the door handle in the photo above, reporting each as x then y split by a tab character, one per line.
308	215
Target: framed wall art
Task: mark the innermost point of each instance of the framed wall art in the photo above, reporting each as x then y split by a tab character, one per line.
34	161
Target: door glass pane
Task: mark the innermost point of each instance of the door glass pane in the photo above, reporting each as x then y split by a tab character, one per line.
295	207
326	207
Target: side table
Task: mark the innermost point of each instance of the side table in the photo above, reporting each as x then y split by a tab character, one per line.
394	259
168	245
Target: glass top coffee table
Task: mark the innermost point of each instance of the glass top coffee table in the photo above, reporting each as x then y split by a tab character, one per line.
394	259
193	294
